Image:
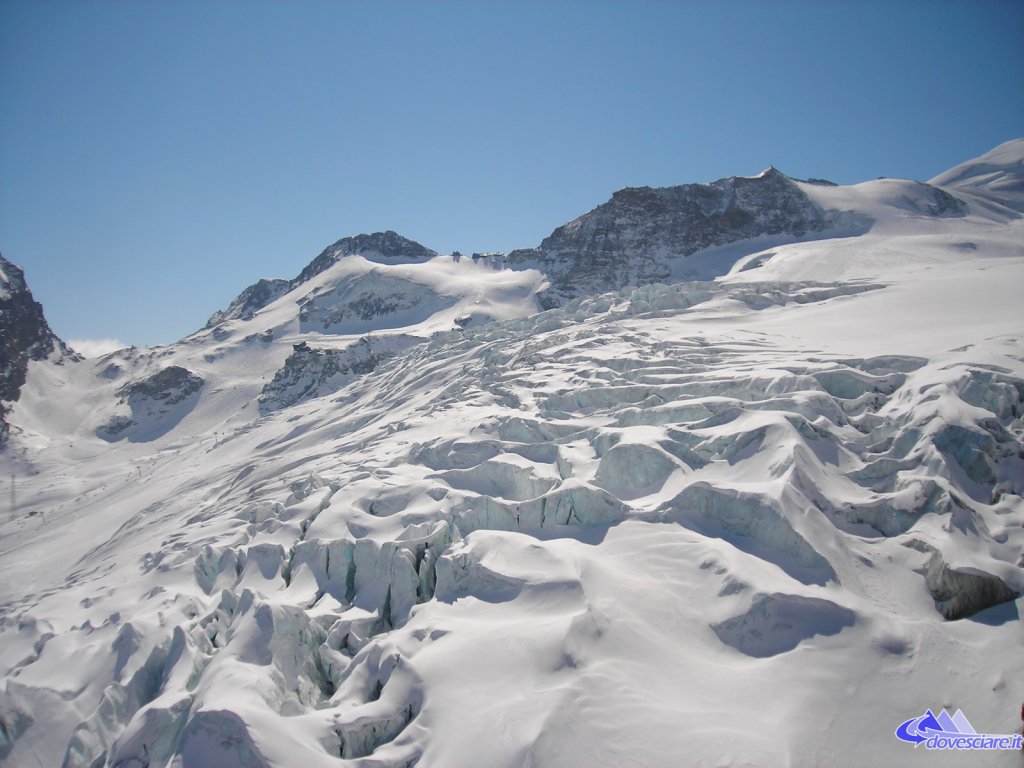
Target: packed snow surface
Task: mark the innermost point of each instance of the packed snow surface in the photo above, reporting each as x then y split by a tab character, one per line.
398	517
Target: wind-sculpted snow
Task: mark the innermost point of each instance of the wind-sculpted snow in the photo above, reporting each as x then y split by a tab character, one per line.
760	520
370	302
995	176
384	247
251	300
319	619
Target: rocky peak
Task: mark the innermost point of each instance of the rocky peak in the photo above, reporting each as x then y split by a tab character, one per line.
632	238
24	335
388	247
255	297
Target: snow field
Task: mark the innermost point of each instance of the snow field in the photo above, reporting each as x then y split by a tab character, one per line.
757	520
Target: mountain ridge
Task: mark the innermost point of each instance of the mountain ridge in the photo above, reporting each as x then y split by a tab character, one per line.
629	239
24	336
401	516
388	245
596	251
640	235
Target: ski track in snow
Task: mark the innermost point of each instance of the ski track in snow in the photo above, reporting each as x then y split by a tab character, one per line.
760	520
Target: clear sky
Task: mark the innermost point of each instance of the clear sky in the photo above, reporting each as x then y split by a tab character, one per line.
158	157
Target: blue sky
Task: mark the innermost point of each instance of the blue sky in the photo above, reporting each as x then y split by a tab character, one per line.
158	157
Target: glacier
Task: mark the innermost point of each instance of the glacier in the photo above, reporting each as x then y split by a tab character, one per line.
754	502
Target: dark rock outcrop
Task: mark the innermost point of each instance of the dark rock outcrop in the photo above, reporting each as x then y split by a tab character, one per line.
255	297
309	371
961	592
169	386
389	247
24	336
367	302
631	239
157	404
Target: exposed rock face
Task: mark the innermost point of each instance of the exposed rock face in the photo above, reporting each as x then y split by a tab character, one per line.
24	335
366	307
169	386
630	239
367	302
308	371
959	593
388	247
255	297
316	371
157	403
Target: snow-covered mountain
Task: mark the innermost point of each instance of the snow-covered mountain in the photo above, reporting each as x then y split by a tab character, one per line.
995	176
24	335
748	493
382	247
634	237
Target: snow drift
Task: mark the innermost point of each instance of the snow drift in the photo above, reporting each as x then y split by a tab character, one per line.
389	514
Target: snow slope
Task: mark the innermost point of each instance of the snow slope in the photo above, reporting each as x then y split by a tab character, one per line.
995	176
352	303
758	520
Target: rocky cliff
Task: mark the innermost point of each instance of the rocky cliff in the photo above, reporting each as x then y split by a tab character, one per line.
24	336
631	239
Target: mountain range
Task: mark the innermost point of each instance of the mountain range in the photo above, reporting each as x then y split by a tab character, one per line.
723	473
